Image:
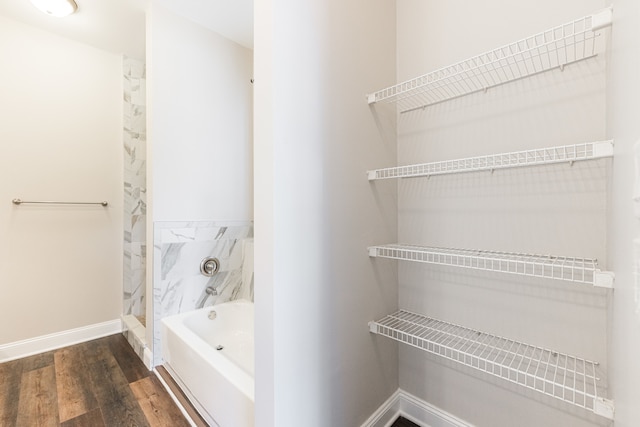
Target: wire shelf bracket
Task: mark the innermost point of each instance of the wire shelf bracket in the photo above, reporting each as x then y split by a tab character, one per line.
534	157
568	378
571	269
550	49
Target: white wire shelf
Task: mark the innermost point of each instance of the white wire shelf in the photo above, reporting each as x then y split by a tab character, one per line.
541	156
554	48
562	376
578	270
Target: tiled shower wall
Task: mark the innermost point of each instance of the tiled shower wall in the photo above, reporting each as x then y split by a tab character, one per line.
178	285
134	85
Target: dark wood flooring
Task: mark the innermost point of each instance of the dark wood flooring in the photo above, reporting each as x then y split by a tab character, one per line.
182	397
100	383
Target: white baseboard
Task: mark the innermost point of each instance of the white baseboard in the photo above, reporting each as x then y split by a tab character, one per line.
41	344
386	414
416	410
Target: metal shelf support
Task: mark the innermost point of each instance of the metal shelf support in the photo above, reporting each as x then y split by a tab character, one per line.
534	157
572	379
571	269
554	48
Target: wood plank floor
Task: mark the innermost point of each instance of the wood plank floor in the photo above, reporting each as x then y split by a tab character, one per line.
181	397
100	383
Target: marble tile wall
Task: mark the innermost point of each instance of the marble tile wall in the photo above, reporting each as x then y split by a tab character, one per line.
178	285
134	136
135	333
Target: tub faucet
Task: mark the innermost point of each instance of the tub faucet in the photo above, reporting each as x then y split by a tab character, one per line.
208	292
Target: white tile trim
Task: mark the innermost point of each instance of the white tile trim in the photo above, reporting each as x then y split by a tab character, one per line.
147	358
416	410
29	347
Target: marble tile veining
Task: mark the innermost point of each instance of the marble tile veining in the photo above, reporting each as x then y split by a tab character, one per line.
178	285
134	140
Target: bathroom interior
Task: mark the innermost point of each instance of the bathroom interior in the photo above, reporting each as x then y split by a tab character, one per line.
306	169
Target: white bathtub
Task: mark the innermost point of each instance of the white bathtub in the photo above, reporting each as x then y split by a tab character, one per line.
220	383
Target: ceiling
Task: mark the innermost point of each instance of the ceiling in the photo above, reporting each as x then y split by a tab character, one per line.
232	19
119	25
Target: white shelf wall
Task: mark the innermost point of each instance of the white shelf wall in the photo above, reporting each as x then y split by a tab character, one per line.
534	157
572	379
571	269
554	48
569	378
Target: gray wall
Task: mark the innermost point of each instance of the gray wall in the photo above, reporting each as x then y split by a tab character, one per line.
315	290
623	106
315	212
559	209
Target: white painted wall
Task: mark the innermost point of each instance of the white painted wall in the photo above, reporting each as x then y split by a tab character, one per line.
315	211
623	108
199	123
60	139
558	210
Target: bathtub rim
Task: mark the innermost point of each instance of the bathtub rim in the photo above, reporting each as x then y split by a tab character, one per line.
233	373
